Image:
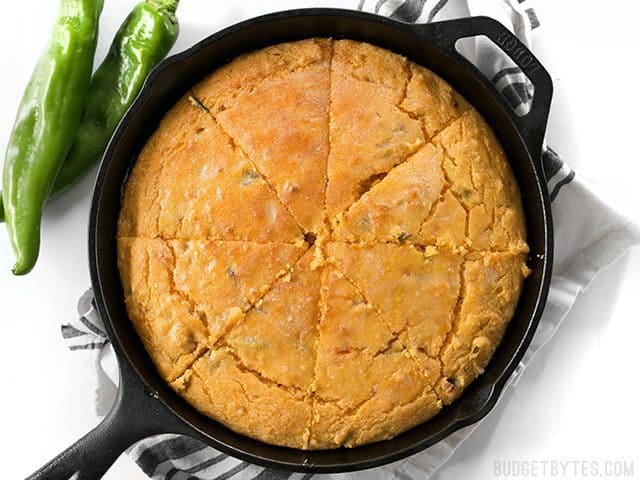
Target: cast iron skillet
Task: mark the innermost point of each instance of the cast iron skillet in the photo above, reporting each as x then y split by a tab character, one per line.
145	405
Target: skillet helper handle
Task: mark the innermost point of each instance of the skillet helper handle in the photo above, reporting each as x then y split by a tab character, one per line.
136	414
533	124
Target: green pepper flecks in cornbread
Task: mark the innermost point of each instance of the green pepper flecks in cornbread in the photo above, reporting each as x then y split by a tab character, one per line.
321	245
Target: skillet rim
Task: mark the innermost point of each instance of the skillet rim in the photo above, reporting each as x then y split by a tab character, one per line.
104	303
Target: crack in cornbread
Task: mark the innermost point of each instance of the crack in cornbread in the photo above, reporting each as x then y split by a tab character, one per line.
219	387
281	123
261	174
278	335
451	107
330	121
355	347
178	380
207	188
398	334
370	134
395	281
321	245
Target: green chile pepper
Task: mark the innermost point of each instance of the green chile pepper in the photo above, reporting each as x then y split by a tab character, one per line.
142	41
46	124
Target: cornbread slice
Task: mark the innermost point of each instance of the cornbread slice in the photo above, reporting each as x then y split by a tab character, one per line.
369	136
224	279
457	194
278	337
202	188
446	224
221	387
491	287
282	126
349	323
367	387
140	205
395	208
416	293
172	332
481	179
186	294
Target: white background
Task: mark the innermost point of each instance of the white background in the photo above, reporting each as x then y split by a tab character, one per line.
577	401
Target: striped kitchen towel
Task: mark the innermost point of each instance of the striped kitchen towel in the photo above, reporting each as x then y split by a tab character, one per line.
589	236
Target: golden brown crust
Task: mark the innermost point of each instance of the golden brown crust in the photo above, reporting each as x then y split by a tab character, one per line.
394	398
219	90
395	278
225	278
182	296
371	64
219	386
141	206
321	244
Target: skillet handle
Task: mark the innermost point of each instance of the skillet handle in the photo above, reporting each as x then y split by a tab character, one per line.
532	125
135	415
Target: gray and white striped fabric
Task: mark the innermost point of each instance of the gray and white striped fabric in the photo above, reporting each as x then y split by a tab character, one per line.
590	235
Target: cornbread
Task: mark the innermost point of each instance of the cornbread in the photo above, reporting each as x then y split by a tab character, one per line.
321	245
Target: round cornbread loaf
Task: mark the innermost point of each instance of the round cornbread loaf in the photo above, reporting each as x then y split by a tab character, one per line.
321	245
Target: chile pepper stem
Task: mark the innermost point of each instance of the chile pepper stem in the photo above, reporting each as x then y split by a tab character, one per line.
169	6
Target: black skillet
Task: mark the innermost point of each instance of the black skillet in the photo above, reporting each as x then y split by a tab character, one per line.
145	405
